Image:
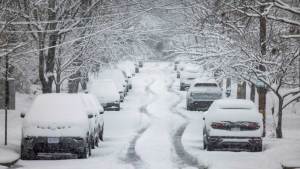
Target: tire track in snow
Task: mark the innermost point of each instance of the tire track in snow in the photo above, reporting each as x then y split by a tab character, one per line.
184	156
131	155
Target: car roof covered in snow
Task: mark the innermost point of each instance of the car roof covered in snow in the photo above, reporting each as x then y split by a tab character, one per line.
205	80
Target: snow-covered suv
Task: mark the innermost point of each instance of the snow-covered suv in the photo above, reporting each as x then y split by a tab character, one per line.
233	124
56	126
202	93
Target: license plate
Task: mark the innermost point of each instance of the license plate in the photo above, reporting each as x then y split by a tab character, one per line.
235	129
53	140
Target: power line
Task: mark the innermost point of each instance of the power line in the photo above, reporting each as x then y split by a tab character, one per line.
95	33
87	36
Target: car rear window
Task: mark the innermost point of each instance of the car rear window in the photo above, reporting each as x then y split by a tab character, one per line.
205	85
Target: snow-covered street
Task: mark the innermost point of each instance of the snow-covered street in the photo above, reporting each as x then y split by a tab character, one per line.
153	130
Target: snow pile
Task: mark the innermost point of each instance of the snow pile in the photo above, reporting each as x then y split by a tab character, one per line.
7	156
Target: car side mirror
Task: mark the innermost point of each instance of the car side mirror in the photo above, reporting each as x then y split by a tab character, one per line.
90	116
22	115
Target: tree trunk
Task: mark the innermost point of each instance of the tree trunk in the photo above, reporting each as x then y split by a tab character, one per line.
262	106
58	83
252	93
42	64
241	91
52	43
73	82
279	120
262	91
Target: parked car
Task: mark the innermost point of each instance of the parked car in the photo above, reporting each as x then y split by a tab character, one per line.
186	78
106	92
96	123
117	76
56	126
176	65
140	63
128	70
202	93
233	124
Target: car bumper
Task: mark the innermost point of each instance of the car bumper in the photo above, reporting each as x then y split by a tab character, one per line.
200	105
234	143
184	85
66	146
110	105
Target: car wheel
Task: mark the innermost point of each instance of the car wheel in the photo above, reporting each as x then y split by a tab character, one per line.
257	148
101	133
188	107
84	154
181	88
204	143
118	107
92	142
97	142
25	155
209	147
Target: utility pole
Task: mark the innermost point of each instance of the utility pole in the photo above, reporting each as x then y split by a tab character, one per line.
262	91
6	104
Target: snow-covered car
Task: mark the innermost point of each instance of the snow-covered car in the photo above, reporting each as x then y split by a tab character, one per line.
106	92
233	124
187	77
117	76
202	93
96	123
140	63
129	69
55	126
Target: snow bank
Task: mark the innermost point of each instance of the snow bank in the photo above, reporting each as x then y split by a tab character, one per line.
7	156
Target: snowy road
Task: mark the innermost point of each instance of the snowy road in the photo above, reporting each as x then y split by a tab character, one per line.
154	131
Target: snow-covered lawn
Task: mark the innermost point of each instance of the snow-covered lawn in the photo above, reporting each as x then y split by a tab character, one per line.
146	133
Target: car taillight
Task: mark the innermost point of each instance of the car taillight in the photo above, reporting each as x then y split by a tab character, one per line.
251	125
219	125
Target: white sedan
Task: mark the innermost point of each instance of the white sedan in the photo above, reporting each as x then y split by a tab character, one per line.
233	124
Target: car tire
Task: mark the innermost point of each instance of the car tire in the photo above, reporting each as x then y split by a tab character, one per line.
84	154
188	107
204	144
101	134
27	155
181	88
97	142
257	148
92	142
118	107
209	147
